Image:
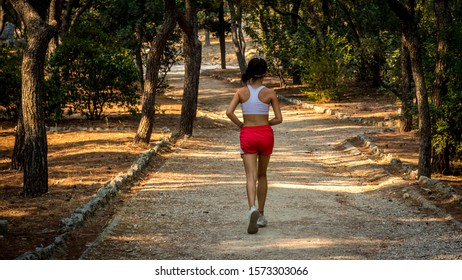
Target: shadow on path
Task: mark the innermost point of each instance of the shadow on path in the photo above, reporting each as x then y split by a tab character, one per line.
323	202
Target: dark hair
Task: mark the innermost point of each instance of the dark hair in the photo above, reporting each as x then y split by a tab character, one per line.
255	69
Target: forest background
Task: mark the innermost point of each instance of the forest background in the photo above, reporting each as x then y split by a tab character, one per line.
102	64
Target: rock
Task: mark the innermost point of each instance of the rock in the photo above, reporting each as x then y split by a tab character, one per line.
396	162
406	196
319	110
3	227
423	180
428	191
8	33
165	129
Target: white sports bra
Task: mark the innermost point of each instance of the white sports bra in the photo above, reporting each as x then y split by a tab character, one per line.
253	105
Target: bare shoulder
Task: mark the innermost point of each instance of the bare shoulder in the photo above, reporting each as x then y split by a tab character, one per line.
243	93
242	90
269	92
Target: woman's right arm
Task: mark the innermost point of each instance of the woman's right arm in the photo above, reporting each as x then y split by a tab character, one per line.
276	109
231	108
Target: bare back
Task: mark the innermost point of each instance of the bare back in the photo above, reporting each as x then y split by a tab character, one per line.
264	96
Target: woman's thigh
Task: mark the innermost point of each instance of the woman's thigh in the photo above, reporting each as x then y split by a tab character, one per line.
250	165
263	162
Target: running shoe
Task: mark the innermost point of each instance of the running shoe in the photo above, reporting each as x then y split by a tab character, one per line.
262	222
254	215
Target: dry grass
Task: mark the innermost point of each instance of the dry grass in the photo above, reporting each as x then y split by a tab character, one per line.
79	163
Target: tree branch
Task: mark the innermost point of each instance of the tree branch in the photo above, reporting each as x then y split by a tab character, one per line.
183	21
79	12
400	10
275	9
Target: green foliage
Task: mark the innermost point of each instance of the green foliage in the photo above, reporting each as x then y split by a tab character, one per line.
91	74
171	55
374	33
133	24
326	65
129	22
276	41
208	17
10	91
447	128
320	59
10	81
54	99
325	95
447	119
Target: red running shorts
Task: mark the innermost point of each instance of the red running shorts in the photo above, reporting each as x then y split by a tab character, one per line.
257	140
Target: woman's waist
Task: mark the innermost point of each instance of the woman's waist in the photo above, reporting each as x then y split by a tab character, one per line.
257	128
256	120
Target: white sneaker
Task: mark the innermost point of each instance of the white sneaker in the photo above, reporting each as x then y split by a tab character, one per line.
262	222
254	215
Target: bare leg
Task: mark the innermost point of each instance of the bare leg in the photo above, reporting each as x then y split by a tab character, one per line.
262	189
250	165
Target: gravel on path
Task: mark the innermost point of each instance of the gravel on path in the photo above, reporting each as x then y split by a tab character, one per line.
326	200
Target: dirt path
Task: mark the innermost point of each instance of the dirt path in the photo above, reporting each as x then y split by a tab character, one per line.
325	201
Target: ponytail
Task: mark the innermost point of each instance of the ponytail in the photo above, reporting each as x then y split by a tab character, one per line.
245	78
256	69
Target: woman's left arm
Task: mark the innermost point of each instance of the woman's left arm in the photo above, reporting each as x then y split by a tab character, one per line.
231	108
276	109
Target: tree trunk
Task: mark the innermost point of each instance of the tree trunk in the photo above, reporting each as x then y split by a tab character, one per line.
443	18
143	135
407	95
139	65
39	34
406	14
2	15
441	162
236	28
296	72
221	35
66	18
423	106
54	15
192	58
207	38
35	141
316	22
17	159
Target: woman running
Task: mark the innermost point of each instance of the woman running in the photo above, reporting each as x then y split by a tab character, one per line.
256	136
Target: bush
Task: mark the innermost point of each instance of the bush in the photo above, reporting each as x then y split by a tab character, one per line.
325	65
10	81
447	130
93	77
447	118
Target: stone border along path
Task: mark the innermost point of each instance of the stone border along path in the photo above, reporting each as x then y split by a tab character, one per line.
324	203
103	197
339	115
423	180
